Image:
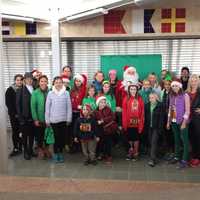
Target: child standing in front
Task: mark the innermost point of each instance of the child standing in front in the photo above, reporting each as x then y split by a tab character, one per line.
133	120
153	124
85	131
106	126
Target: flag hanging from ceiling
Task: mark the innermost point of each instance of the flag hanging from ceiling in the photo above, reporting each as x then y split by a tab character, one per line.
113	22
141	21
31	28
148	28
5	28
173	20
19	28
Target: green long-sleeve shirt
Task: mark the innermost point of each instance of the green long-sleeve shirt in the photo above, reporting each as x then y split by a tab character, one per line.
38	99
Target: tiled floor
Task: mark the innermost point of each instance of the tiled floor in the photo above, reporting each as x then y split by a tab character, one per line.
119	170
26	188
44	180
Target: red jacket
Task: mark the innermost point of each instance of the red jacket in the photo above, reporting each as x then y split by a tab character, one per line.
105	114
129	113
78	95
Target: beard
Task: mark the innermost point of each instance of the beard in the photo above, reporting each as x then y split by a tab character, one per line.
129	79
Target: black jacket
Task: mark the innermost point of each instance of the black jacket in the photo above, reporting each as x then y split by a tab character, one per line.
194	106
23	105
10	99
157	121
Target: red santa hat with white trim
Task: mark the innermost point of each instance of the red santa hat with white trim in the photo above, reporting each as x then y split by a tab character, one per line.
99	99
79	77
127	68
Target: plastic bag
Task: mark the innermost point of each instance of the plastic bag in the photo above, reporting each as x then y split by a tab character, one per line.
49	136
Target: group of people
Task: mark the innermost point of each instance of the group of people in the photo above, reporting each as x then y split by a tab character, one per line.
152	117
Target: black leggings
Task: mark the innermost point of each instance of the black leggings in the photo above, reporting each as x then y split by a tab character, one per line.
28	131
105	146
60	130
194	130
40	136
17	141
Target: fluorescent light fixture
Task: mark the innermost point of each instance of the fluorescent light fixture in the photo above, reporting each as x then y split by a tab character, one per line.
138	1
87	15
120	4
15	17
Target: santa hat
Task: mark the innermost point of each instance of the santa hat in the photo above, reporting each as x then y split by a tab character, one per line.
112	71
127	68
177	83
79	77
65	79
34	72
99	99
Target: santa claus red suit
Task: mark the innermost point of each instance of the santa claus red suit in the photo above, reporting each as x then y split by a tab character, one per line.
130	76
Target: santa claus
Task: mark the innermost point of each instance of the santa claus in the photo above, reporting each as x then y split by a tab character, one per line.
130	76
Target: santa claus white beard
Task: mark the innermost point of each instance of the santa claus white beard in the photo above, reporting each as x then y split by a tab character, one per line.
129	79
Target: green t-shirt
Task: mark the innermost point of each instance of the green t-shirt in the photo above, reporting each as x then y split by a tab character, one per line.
111	102
91	101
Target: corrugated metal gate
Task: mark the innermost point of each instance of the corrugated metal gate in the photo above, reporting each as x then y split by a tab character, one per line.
84	56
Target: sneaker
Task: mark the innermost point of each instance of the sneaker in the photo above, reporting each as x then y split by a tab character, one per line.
169	157
27	156
109	160
130	154
60	158
55	158
182	164
93	162
174	160
151	163
129	157
15	152
47	153
194	162
67	148
100	157
86	162
40	153
135	157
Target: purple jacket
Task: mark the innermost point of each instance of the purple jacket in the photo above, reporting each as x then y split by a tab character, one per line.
179	103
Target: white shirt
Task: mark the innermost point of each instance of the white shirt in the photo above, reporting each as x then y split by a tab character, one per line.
30	88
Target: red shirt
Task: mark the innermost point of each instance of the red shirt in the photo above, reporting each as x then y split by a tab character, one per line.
133	108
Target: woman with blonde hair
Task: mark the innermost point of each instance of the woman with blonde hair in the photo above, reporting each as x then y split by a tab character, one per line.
193	90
